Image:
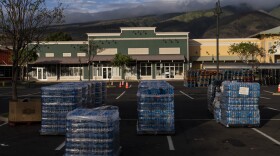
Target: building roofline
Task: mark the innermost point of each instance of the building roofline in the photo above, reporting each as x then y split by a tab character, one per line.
171	33
103	34
138	28
62	42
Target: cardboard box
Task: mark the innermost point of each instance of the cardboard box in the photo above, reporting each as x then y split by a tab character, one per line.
25	110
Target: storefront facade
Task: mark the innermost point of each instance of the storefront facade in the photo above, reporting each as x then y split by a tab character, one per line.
155	56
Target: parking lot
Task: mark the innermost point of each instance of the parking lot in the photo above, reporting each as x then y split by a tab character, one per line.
197	133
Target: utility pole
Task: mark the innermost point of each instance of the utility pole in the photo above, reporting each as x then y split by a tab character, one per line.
217	13
80	70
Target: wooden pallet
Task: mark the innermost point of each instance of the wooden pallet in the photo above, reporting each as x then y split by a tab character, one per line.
155	132
241	126
13	123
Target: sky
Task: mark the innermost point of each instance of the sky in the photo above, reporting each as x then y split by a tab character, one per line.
94	6
86	10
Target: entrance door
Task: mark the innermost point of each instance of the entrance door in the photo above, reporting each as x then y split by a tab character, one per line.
169	71
172	72
107	72
42	74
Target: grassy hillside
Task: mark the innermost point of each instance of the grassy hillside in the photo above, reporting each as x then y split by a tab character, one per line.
243	25
276	12
234	23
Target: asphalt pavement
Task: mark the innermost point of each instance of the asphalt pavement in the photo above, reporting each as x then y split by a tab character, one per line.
197	133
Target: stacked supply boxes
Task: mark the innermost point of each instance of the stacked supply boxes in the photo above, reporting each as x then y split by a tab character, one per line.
212	91
93	132
57	101
155	108
98	94
239	104
104	93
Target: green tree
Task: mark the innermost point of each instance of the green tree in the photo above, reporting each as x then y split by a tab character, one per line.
23	22
91	49
58	36
247	50
122	61
274	47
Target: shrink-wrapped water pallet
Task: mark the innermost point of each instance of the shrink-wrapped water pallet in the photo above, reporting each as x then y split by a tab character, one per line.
57	101
155	108
93	132
239	104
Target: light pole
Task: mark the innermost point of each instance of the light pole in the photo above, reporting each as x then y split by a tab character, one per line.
80	72
217	13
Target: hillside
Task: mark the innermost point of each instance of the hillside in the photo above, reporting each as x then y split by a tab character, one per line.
243	25
234	23
78	30
276	12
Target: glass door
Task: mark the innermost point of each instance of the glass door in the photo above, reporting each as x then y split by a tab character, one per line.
41	74
172	72
107	72
167	72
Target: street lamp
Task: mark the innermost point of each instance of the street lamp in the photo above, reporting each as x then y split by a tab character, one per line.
217	13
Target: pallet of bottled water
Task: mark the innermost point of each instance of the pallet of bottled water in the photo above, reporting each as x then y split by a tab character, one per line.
240	104
155	108
93	132
57	101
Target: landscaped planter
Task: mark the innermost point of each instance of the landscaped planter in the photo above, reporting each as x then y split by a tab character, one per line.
25	110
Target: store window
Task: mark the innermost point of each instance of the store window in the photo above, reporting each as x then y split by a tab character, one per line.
97	70
70	70
51	71
168	68
146	69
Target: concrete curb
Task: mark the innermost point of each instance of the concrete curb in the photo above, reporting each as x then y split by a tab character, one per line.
3	119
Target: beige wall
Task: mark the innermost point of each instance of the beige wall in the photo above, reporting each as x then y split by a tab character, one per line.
206	48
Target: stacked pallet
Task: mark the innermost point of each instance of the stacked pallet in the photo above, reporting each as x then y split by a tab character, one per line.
212	92
155	108
203	78
104	92
57	101
93	132
239	104
191	78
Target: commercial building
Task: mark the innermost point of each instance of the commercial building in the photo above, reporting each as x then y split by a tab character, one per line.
156	55
5	64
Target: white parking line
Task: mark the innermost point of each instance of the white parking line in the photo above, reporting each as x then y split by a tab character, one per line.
265	98
267	136
187	95
60	146
3	124
170	143
130	86
271	108
120	95
268	91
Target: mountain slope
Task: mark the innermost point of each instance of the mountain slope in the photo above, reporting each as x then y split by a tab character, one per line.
276	12
243	25
235	22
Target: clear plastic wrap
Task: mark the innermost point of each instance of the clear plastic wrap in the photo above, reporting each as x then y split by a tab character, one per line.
59	99
239	104
155	108
93	132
